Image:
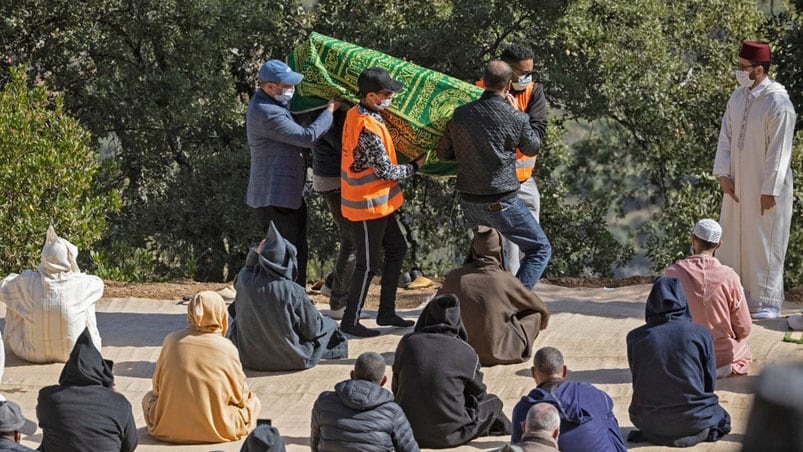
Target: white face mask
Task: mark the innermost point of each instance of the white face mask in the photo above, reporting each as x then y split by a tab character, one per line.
743	78
285	96
521	85
384	104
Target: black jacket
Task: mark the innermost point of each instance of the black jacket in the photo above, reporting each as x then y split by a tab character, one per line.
83	412
437	378
482	137
359	416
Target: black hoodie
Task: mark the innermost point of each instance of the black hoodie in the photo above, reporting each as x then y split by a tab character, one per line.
83	412
437	379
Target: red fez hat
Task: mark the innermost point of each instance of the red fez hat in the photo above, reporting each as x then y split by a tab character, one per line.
755	51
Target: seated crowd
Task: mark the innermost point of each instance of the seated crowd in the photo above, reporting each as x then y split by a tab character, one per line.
482	316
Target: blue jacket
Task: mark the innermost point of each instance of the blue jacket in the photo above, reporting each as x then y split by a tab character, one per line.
587	422
674	371
277	142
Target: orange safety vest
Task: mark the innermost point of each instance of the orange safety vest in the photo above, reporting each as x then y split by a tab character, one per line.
524	163
366	196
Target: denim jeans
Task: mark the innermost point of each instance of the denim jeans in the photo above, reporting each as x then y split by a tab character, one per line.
516	223
531	197
344	262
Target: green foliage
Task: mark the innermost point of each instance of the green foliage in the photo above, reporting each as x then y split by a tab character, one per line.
163	88
653	78
47	174
793	265
164	85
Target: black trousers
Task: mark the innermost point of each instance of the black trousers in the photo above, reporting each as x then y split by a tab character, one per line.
371	239
292	225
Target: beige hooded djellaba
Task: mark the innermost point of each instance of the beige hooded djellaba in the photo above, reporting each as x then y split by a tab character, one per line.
199	390
755	150
47	309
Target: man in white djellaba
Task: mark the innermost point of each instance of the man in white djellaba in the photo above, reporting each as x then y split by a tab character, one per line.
753	163
48	309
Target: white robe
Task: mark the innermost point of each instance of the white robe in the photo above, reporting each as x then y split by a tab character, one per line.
46	310
755	150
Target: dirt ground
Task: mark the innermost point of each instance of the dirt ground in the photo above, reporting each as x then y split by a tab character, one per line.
184	289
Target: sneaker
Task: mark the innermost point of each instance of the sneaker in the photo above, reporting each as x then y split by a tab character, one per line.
326	291
767	312
394	320
336	314
358	330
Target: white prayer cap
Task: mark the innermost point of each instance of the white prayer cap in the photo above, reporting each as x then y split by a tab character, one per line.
708	230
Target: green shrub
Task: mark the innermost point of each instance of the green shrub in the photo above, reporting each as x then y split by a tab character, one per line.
47	174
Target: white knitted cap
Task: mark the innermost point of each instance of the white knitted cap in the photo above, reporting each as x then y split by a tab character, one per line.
708	230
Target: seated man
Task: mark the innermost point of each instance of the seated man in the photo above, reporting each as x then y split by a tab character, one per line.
541	430
199	390
83	412
276	326
502	317
264	438
438	383
674	372
586	413
359	414
47	309
12	425
716	299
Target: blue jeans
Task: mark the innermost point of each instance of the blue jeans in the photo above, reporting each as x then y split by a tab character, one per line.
531	197
516	223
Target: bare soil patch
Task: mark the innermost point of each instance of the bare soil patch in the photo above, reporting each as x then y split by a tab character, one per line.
405	298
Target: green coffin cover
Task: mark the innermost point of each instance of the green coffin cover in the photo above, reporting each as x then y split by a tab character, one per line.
418	114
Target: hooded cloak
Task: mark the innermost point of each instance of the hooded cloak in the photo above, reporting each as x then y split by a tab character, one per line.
199	390
437	379
47	309
674	372
83	412
276	326
502	318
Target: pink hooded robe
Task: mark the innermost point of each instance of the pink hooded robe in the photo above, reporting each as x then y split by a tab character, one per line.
717	302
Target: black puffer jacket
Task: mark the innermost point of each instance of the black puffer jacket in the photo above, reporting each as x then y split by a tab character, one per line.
482	137
359	416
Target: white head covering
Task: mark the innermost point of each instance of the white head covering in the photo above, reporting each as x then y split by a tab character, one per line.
708	230
58	255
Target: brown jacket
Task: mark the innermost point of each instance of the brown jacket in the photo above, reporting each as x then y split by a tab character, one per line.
502	318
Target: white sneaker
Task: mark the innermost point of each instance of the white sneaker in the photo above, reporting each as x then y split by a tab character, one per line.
336	314
326	291
767	312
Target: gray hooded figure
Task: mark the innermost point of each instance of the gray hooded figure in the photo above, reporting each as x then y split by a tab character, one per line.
276	326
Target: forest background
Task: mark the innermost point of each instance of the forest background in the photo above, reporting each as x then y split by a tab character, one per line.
122	124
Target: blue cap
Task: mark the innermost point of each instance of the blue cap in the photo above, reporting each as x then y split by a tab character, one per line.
278	71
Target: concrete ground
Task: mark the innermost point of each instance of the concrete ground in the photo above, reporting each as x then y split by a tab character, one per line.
588	325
